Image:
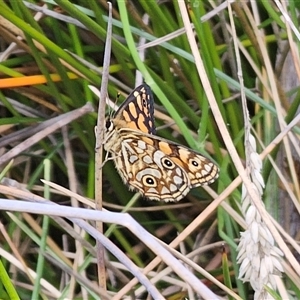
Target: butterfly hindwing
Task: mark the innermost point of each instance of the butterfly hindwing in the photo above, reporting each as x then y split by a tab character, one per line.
150	171
161	169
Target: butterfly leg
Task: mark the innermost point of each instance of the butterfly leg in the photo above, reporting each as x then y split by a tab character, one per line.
106	159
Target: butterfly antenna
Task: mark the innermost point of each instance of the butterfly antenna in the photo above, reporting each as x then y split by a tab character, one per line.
116	101
113	106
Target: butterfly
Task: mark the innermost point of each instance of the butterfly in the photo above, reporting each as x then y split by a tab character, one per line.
158	168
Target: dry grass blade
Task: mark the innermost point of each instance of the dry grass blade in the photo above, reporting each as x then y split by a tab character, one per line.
45	130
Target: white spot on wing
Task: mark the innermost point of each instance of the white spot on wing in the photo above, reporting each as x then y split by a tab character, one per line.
178	171
142	145
177	180
164	190
204	173
152	190
157	156
133	158
208	167
173	187
147	159
148	171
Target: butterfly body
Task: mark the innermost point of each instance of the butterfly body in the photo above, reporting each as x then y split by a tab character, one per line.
159	169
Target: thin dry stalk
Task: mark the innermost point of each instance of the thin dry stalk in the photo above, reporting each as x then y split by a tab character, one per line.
99	150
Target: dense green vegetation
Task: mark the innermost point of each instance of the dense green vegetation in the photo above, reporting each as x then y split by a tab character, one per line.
50	55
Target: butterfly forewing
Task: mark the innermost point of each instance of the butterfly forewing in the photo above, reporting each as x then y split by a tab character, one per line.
159	169
138	110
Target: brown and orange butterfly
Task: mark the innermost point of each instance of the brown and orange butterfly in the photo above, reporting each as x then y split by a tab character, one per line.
159	169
